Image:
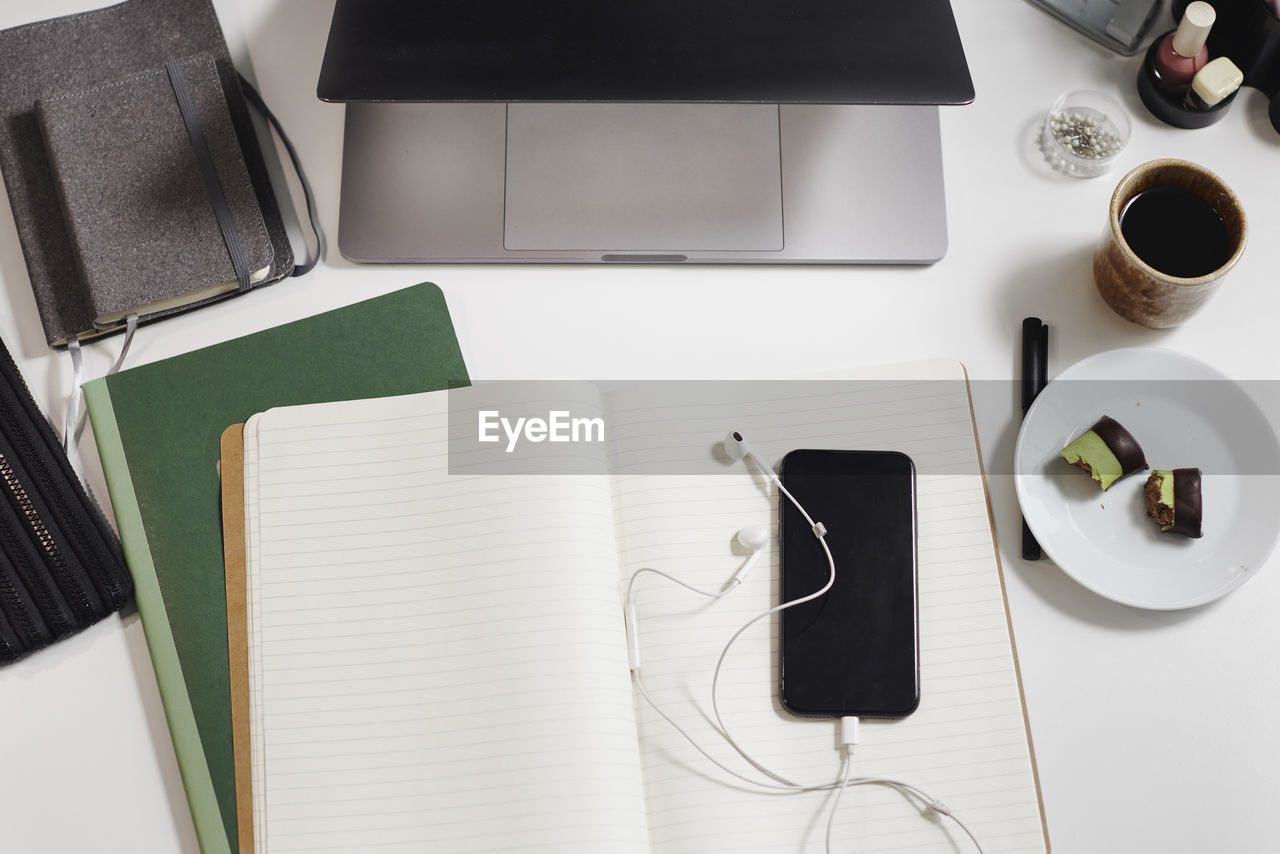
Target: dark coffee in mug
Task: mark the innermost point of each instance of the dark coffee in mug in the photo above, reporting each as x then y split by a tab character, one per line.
1175	231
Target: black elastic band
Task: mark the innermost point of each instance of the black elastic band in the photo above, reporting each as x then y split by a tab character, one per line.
221	209
251	94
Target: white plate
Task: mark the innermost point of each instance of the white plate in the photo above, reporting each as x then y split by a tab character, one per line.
1184	414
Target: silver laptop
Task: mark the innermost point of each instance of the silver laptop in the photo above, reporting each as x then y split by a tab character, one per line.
469	142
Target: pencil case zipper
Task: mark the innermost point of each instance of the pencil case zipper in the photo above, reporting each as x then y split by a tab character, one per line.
57	581
92	576
35	558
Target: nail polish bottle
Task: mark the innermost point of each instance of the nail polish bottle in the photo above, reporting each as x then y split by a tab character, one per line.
1183	52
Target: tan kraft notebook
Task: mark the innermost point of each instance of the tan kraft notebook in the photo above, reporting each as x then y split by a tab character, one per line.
231	470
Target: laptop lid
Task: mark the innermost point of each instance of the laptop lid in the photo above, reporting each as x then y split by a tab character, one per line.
762	51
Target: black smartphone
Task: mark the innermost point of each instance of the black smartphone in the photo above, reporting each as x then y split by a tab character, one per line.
854	650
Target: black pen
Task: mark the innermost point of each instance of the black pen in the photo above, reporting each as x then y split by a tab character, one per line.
1035	374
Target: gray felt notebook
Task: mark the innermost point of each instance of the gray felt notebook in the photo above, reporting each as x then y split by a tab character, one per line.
137	204
99	177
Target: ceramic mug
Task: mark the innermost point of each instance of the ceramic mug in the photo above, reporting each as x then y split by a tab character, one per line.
1137	288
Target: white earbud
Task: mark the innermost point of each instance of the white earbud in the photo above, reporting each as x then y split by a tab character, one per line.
756	538
736	446
739	449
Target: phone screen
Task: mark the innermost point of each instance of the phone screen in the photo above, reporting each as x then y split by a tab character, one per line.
852	651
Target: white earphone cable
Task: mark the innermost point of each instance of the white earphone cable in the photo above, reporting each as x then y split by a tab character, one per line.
730	585
845	767
724	653
905	788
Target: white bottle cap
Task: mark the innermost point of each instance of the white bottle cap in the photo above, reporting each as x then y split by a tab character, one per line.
1217	80
1193	31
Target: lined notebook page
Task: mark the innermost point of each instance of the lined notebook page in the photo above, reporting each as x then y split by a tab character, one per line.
966	745
252	611
440	660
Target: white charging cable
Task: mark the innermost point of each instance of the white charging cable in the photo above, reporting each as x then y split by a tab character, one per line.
848	738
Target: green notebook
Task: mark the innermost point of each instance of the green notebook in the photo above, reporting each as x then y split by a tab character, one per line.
158	428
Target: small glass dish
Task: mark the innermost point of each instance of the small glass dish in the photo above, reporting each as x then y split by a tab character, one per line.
1084	133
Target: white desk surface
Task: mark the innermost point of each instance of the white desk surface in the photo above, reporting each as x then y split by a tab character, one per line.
1152	731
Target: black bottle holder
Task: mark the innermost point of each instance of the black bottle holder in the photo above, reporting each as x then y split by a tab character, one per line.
1247	33
1169	108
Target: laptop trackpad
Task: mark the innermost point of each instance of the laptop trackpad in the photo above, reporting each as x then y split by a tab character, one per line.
643	177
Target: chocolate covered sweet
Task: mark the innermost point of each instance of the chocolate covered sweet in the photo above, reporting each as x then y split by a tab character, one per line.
1106	451
1173	500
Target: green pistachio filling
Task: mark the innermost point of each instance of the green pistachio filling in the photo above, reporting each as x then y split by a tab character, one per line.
1166	494
1091	453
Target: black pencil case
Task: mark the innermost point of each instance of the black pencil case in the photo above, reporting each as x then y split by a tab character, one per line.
61	565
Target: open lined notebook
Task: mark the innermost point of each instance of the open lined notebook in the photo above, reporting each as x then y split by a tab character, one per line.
438	661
